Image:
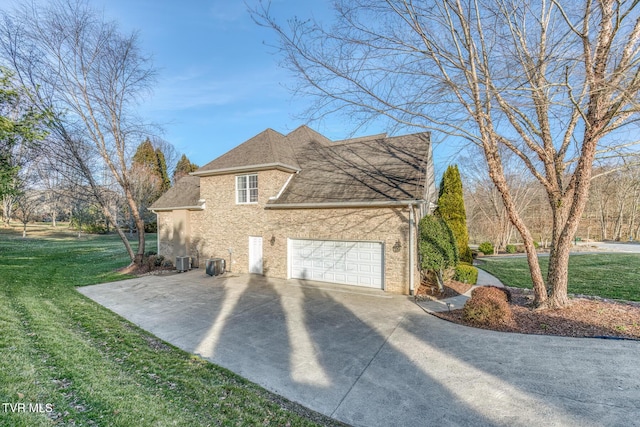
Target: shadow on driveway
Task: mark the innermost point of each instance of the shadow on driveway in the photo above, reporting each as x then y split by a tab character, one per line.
369	358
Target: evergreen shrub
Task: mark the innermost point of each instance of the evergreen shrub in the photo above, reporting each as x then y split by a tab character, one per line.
466	273
486	248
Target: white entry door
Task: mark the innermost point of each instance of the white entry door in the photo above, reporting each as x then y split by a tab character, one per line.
351	263
255	255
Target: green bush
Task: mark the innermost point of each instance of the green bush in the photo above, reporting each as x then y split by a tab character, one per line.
465	254
466	273
486	248
511	249
151	227
536	245
437	247
488	306
93	228
451	209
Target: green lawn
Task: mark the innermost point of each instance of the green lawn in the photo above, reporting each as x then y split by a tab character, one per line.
615	276
58	347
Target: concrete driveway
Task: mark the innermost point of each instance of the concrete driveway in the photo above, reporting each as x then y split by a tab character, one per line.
620	247
371	359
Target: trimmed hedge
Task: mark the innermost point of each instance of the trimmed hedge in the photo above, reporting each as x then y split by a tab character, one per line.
511	249
437	246
466	273
488	306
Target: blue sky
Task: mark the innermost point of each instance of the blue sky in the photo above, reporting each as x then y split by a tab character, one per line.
218	81
218	84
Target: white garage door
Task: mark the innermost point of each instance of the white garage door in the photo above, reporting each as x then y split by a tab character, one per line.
350	263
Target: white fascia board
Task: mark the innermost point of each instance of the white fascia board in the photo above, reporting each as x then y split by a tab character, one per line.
179	208
251	168
277	196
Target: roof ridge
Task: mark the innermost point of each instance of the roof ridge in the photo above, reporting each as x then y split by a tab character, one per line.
267	147
362	138
275	145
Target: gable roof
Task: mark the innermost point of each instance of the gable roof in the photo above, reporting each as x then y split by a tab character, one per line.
185	194
368	169
267	150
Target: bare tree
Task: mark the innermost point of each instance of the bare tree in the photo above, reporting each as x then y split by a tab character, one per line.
52	183
90	75
554	82
614	198
487	212
27	205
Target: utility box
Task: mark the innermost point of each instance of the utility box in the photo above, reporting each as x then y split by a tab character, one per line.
215	266
183	263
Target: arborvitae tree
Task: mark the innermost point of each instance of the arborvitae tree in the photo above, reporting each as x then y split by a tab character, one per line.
437	248
451	210
183	167
162	171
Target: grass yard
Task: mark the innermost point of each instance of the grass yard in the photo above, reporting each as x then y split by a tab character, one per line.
615	276
57	347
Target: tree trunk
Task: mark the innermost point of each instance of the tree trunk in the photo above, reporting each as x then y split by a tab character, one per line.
139	223
7	209
632	215
440	281
558	275
123	237
497	176
617	229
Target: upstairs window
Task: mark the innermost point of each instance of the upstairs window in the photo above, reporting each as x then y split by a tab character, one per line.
247	189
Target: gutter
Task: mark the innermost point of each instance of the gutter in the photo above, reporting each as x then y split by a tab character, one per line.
327	205
411	251
250	168
176	208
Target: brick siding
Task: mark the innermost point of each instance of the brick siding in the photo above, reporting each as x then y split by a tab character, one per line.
225	225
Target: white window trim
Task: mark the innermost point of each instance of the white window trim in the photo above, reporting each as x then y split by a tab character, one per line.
247	189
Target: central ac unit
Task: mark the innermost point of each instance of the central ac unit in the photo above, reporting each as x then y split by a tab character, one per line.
182	263
215	266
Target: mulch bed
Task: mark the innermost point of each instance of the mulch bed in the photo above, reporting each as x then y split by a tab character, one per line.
452	288
144	269
585	317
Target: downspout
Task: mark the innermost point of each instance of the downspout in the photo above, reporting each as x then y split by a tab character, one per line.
157	233
411	251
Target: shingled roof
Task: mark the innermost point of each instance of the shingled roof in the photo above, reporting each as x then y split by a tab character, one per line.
266	150
185	194
375	169
369	169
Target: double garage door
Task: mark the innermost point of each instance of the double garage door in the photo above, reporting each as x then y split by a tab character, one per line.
350	263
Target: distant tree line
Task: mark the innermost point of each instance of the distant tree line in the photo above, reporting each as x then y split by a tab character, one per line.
69	89
612	211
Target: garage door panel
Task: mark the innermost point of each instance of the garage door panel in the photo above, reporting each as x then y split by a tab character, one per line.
353	263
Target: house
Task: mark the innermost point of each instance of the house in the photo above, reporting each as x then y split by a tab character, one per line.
301	206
